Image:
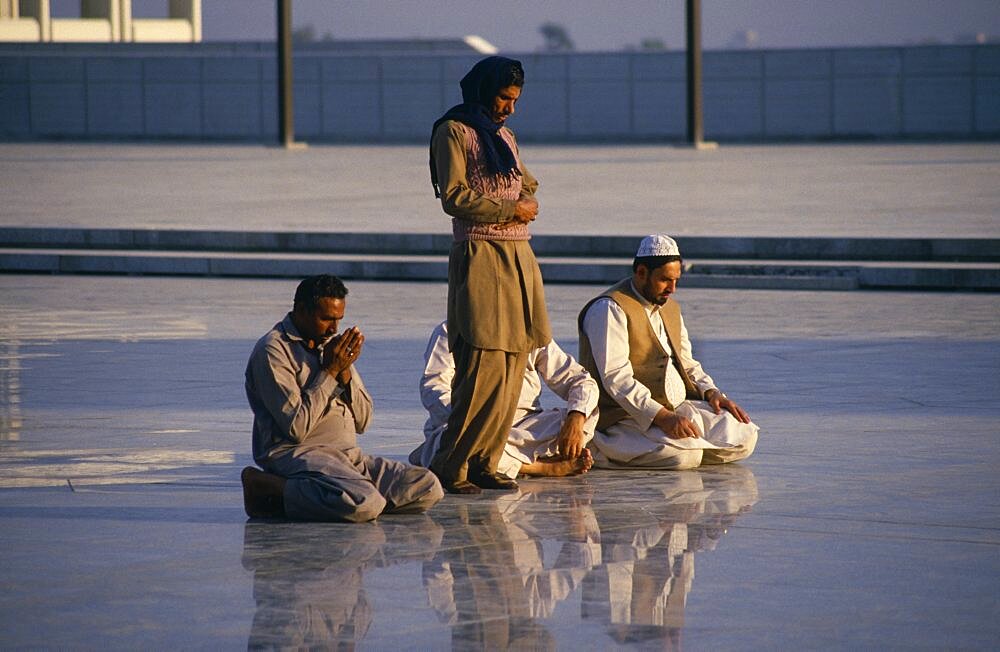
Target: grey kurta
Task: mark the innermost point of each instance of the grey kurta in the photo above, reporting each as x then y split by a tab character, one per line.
305	430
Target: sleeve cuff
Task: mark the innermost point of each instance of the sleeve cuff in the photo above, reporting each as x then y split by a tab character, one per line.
327	383
645	416
507	209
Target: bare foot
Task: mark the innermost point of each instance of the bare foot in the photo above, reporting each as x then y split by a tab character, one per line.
559	467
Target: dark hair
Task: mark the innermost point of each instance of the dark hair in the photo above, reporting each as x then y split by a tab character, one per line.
314	288
653	262
512	75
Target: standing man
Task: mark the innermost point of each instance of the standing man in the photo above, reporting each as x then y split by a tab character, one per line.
309	405
541	442
659	409
496	304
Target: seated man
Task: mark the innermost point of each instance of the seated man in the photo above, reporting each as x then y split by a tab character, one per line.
659	409
309	404
541	442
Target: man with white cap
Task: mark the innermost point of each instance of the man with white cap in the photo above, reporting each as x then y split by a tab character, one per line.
658	407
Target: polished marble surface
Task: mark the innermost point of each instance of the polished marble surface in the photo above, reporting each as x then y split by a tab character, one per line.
850	190
869	517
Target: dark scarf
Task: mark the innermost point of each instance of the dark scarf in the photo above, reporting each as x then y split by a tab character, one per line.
479	88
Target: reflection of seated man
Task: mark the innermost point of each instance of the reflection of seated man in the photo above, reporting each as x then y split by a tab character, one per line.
645	570
309	404
541	442
473	584
308	581
659	409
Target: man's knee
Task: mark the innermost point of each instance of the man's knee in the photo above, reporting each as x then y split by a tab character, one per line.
423	488
735	454
686	459
364	507
427	491
433	493
750	446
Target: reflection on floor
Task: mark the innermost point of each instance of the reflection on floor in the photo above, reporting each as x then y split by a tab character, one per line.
495	570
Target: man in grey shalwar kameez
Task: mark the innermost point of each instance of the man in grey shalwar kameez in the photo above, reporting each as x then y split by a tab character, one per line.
309	404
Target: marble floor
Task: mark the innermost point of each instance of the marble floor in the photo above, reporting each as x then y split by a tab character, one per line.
855	190
868	518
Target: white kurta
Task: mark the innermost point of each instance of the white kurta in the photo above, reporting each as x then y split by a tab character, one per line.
535	428
635	441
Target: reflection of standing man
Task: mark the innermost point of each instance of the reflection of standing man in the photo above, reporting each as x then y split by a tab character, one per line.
496	305
474	584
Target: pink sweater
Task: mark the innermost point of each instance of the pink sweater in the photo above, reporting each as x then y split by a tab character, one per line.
500	186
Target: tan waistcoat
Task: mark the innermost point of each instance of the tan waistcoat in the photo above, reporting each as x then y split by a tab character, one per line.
645	353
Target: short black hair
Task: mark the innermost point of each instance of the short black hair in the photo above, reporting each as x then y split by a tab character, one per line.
314	288
653	262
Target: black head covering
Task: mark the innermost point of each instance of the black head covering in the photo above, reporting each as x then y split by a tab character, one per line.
479	87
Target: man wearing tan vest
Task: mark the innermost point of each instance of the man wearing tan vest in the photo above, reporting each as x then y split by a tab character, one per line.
658	407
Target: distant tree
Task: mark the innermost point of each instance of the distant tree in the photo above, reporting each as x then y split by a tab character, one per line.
307	34
923	40
652	44
744	40
304	34
971	38
556	38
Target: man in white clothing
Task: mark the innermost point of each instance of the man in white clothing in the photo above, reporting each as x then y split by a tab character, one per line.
543	442
658	407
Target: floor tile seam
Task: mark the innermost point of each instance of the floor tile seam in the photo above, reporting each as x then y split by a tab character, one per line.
700	268
863	535
842	519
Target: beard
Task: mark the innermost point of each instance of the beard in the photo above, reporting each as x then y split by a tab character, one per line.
656	299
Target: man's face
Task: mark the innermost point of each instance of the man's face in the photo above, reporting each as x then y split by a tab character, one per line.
321	323
503	103
657	285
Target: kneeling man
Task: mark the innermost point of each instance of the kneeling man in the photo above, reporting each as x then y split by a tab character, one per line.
541	442
659	409
309	405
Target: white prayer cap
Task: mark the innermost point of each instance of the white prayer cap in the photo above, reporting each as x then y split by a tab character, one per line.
658	244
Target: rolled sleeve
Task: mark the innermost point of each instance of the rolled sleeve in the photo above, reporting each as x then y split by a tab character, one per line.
567	379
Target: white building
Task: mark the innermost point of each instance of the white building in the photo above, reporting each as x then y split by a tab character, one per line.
100	21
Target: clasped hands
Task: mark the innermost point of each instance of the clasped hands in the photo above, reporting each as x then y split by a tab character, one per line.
525	211
341	352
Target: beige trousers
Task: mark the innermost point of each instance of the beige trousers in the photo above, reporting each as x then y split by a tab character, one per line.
625	445
484	395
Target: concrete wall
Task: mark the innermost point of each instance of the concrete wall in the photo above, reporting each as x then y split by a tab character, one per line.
220	91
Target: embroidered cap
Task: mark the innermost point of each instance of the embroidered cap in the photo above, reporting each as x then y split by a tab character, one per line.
658	244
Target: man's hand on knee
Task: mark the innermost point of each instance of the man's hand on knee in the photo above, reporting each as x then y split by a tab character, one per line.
676	426
720	402
570	440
